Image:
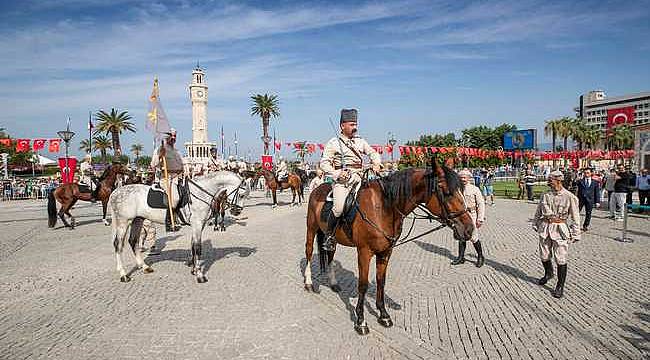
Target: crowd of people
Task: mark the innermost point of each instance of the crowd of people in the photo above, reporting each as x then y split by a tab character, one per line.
33	188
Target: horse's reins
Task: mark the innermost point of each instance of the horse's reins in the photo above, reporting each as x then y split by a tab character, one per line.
235	191
445	220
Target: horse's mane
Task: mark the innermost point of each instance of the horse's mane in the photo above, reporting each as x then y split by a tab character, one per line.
215	175
397	186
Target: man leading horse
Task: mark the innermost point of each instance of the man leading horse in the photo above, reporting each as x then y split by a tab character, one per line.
342	161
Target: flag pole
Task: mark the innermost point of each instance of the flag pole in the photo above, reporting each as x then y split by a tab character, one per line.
169	190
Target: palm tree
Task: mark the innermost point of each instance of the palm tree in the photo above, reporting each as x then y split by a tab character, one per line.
578	130
102	143
266	106
301	151
621	137
114	123
137	149
591	137
86	146
552	128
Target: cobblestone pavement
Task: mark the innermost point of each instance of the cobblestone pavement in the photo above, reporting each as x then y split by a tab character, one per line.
62	299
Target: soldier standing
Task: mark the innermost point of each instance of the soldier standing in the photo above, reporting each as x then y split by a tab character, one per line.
342	162
556	207
174	167
476	206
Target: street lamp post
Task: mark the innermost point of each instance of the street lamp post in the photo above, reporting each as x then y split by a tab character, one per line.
66	135
392	142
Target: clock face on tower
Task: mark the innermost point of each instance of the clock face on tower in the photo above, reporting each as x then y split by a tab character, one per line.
199	93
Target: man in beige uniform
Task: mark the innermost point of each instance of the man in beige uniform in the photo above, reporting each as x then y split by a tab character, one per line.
475	203
174	167
556	207
342	162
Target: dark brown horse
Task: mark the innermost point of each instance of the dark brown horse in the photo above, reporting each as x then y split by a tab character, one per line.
68	194
382	206
293	182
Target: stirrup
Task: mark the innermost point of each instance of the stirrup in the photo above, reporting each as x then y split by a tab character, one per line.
330	243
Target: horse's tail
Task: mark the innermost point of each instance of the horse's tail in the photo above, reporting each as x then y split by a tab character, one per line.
136	229
322	253
51	209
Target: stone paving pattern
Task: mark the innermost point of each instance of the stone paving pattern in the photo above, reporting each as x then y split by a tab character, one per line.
62	299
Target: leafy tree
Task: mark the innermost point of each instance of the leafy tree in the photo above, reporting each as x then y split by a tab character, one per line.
436	140
143	161
621	137
86	146
137	149
265	106
591	137
114	123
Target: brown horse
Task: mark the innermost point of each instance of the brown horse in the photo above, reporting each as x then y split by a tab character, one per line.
68	194
382	206
293	181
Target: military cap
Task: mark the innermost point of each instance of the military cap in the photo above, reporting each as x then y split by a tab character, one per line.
464	172
348	115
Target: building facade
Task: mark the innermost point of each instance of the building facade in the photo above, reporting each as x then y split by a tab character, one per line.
197	151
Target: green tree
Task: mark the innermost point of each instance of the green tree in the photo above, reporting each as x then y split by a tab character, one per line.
265	106
436	140
114	123
578	130
498	132
137	149
552	128
85	145
101	143
143	161
591	137
565	129
16	158
621	137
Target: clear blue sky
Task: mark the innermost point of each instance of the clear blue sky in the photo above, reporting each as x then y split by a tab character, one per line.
410	67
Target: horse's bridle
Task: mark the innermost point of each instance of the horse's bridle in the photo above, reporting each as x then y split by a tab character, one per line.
446	220
234	205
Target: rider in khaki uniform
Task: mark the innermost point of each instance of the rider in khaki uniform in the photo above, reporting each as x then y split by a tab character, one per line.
174	166
342	162
557	221
476	206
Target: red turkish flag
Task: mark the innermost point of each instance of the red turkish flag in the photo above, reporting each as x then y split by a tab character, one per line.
5	142
267	162
54	145
67	172
22	145
39	144
321	147
278	145
388	148
624	115
311	148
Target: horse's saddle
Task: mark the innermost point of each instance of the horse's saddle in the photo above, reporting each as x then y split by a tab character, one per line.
349	209
156	197
83	188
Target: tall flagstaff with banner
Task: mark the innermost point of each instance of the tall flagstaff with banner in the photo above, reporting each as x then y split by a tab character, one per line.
158	124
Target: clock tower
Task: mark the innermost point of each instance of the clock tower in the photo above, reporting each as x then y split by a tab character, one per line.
198	150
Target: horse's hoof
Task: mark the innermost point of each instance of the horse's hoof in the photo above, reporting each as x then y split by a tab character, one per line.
385	322
148	270
336	288
193	272
125	279
362	329
202	279
189	263
309	287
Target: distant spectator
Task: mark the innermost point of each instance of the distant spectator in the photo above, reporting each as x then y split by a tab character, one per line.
631	184
529	181
643	184
621	189
488	188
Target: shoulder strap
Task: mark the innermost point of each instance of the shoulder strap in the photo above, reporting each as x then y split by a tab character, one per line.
351	147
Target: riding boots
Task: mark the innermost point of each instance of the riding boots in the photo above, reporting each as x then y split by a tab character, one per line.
561	278
330	238
548	272
168	223
461	253
480	260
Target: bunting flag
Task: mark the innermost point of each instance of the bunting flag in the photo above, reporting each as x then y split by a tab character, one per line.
22	145
311	148
39	144
54	145
157	121
389	149
321	147
278	145
5	142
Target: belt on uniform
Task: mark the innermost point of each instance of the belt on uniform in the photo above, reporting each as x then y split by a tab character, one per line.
556	221
352	166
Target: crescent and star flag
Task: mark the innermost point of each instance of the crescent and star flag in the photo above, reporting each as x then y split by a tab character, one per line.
157	121
624	115
54	145
267	162
22	145
67	173
5	142
39	144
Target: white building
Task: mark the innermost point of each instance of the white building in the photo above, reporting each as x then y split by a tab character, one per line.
197	151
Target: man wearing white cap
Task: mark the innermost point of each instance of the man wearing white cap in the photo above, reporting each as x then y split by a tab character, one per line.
282	170
557	221
174	166
476	206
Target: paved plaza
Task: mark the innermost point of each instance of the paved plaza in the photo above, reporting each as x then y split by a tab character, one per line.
62	299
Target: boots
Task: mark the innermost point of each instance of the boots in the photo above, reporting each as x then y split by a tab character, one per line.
461	253
330	239
561	278
548	272
168	223
480	260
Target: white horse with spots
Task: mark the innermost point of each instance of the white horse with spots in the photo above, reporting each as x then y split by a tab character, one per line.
128	206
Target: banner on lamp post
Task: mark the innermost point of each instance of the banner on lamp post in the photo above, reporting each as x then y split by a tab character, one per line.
267	162
67	172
